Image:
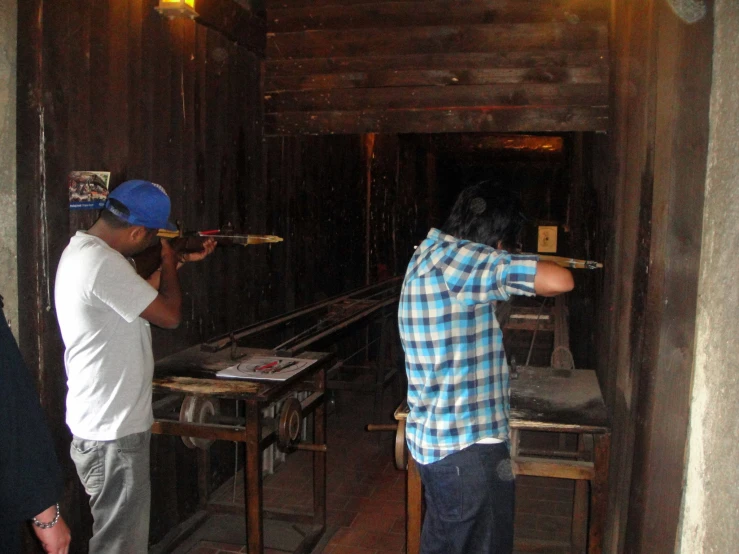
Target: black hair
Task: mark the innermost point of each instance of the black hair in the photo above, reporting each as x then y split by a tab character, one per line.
112	219
486	213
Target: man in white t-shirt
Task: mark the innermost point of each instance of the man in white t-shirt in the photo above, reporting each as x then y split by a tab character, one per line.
104	309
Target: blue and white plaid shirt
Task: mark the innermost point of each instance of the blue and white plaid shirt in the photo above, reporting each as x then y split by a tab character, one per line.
458	390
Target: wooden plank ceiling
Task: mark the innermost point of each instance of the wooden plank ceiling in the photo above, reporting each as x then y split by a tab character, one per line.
430	66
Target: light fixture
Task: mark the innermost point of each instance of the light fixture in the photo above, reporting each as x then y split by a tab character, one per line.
177	8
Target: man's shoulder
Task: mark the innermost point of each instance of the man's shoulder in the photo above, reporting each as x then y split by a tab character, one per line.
86	248
85	260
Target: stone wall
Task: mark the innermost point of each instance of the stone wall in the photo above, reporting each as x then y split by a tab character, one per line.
8	231
711	501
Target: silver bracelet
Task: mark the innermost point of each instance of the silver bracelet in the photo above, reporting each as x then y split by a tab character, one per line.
49	525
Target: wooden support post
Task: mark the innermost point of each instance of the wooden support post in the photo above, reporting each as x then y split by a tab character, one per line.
253	479
203	474
599	493
515	437
381	367
414	508
579	536
319	458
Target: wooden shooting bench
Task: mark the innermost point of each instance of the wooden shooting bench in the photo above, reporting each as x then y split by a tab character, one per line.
551	400
359	327
190	374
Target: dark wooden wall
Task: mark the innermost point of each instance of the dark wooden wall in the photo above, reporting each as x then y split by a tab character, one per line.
345	66
319	182
653	214
399	197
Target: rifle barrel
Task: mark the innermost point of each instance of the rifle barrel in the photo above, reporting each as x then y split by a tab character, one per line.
233	239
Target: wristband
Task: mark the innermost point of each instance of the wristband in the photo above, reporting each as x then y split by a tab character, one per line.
49	525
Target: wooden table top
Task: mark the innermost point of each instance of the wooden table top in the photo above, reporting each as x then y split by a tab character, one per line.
193	371
558	399
547	399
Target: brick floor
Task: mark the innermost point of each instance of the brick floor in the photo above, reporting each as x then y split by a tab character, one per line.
366	494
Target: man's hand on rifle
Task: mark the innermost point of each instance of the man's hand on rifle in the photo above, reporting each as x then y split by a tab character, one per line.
180	257
208	246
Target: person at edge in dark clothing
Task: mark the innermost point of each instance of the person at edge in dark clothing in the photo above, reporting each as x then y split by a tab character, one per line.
30	477
458	382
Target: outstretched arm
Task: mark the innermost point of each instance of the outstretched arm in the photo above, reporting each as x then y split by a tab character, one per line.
551	279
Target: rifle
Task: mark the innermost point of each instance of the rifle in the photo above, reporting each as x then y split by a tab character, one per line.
148	261
571	263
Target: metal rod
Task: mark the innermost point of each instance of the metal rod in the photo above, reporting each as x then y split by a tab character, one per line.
236	459
299	347
536	328
360	350
223	341
335	319
382	427
311	447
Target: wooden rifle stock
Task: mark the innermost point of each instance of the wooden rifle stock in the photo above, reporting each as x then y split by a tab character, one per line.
148	261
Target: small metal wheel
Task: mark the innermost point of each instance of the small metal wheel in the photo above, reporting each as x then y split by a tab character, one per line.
401	452
288	429
198	409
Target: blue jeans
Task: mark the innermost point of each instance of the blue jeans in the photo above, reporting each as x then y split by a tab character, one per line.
469	502
116	476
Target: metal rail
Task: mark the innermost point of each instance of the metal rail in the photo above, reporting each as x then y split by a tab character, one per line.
324	318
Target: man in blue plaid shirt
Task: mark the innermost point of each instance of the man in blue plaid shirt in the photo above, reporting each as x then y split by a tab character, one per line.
458	391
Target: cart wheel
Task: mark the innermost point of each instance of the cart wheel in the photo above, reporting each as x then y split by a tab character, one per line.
198	409
288	431
401	452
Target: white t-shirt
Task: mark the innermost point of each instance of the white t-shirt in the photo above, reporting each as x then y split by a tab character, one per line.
108	356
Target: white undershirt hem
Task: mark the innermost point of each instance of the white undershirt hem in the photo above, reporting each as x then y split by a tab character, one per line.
489	440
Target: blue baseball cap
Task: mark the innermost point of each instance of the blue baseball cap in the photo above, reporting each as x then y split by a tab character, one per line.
147	204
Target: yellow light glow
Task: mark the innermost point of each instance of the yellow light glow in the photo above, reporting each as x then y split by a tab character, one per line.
177	8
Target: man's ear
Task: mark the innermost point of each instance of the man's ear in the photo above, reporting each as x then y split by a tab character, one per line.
499	245
137	233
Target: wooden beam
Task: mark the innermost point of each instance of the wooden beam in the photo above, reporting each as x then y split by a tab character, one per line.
594	75
522	146
235	23
277	4
543	546
439	98
529	325
438	40
432	12
500	119
559	469
443	61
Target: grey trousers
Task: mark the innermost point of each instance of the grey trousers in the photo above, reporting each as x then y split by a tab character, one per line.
116	476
